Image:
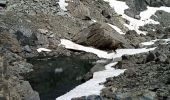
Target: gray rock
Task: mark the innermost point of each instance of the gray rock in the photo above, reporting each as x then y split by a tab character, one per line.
98	67
134	38
3	3
157	3
27	49
8	41
91	97
137	5
26	91
137	17
133	84
101	36
33	7
162	17
131	12
78	9
33	96
106	13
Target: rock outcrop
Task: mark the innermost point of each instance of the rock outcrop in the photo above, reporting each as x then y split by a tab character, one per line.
147	75
101	36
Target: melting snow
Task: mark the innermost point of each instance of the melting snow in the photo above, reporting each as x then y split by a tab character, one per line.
120	6
71	45
102	54
43	49
116	28
63	4
93	87
153	42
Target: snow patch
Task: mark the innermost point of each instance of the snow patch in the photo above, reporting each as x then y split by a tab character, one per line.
93	20
153	42
120	6
116	28
43	49
63	4
93	86
102	54
71	45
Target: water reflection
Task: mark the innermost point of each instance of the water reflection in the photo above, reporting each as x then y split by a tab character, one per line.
56	76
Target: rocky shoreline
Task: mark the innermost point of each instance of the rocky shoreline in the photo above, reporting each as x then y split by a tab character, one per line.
26	25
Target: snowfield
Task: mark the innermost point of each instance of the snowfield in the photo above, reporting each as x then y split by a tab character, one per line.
93	87
120	7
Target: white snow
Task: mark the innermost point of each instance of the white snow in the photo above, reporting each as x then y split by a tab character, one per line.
43	49
71	45
93	87
116	28
120	6
102	54
153	42
63	4
93	20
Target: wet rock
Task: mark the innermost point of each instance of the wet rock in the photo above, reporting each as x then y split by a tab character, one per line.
25	90
98	67
87	77
101	36
34	96
91	97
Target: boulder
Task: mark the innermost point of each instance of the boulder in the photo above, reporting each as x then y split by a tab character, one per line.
137	5
106	13
101	36
134	38
162	17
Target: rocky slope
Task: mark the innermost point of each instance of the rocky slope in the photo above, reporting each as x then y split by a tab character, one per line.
30	24
26	25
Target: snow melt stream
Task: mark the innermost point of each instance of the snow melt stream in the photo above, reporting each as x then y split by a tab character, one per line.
93	87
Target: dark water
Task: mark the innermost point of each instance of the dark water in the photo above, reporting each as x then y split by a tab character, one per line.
55	76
